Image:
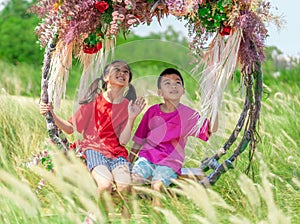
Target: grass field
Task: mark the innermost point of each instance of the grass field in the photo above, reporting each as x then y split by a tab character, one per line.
30	193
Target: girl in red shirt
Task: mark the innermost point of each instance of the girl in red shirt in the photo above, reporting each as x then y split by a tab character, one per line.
105	119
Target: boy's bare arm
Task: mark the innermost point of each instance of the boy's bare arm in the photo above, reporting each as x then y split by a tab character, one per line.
133	152
215	126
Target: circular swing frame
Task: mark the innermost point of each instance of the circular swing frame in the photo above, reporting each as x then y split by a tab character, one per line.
250	113
253	80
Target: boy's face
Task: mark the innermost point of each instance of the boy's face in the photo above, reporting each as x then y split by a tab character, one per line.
171	87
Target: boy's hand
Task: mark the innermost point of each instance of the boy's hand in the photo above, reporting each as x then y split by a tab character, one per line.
134	109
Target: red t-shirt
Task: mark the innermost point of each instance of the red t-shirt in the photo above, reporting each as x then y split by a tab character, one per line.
101	123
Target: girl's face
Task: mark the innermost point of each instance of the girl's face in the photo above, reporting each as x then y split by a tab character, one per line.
171	87
118	75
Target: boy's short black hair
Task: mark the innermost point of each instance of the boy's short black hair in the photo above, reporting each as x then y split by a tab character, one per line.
169	71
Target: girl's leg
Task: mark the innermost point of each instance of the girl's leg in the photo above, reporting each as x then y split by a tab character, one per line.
122	179
121	175
103	178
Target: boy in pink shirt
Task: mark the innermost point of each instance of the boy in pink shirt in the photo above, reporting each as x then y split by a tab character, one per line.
162	134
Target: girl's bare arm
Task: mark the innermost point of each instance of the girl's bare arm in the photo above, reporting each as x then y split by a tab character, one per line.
64	125
134	109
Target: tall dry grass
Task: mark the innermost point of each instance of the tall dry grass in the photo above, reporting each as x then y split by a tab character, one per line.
32	194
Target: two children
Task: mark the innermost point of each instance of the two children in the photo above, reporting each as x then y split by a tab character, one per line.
106	118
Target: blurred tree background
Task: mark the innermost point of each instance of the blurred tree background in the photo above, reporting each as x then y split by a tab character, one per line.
19	43
17	38
21	56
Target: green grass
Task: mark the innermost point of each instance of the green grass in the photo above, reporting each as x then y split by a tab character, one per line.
69	193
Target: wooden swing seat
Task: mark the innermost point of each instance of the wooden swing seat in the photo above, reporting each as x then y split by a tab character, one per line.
192	173
196	174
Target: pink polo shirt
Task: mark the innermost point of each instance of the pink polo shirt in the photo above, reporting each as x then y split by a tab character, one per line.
163	136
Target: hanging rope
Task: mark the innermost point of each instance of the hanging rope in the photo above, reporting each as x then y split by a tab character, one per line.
55	134
251	108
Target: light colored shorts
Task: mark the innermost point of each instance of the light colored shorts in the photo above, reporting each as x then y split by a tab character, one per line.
94	158
146	169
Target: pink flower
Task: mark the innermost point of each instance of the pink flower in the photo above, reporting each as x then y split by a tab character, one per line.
101	6
115	13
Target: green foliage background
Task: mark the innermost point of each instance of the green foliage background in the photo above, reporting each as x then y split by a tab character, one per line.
18	43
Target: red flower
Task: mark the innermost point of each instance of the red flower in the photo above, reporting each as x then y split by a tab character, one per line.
73	145
225	31
92	49
101	6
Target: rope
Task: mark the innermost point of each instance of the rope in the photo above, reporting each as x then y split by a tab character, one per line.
251	108
55	134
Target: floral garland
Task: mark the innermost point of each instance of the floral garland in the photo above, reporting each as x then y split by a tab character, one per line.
92	25
89	22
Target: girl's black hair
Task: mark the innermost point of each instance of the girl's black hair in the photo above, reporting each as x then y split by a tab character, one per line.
169	71
94	89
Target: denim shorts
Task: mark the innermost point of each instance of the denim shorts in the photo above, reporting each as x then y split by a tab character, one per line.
146	169
94	158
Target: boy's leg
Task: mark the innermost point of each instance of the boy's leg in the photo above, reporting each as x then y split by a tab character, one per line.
163	174
156	185
141	171
103	178
137	179
162	177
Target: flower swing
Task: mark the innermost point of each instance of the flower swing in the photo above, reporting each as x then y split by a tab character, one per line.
87	30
